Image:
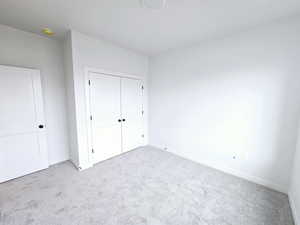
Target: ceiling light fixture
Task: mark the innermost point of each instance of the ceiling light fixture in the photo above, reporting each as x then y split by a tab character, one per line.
153	4
48	32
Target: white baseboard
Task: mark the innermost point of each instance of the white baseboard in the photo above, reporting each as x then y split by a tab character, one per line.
249	177
81	166
84	166
295	212
234	172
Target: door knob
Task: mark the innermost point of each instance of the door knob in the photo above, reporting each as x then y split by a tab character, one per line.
41	126
119	120
123	120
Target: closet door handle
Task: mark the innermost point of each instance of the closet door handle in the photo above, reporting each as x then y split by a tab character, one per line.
119	120
123	120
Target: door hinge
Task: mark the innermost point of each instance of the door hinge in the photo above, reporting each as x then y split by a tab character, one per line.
93	150
89	82
91	117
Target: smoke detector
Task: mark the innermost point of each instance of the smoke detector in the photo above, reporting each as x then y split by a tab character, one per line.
153	4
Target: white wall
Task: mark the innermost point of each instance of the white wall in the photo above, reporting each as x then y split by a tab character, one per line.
99	54
294	192
18	48
232	97
71	106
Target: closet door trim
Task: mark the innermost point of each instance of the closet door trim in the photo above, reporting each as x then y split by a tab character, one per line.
89	70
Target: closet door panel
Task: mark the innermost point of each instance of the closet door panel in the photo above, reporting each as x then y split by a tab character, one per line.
131	99
106	111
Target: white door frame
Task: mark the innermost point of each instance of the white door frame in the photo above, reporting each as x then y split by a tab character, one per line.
88	70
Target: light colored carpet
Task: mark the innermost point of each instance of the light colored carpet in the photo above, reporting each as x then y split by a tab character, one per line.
144	186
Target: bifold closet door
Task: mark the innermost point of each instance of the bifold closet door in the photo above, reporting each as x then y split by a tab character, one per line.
131	106
105	106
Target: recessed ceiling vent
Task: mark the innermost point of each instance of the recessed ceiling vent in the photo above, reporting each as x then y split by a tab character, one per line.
153	4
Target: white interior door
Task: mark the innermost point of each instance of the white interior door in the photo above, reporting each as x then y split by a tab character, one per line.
23	148
105	107
132	125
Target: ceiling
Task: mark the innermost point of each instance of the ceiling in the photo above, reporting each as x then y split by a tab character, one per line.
127	24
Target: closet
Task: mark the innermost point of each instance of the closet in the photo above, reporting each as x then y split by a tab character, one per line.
116	115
